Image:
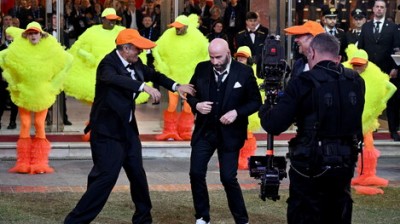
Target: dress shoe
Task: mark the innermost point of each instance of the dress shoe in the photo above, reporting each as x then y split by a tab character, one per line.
395	136
67	122
12	125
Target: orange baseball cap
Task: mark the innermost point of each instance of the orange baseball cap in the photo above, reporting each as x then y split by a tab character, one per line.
309	27
131	36
110	14
33	26
243	51
360	57
180	22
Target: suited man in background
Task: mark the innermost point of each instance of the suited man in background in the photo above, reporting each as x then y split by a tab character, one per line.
226	94
114	140
252	37
379	37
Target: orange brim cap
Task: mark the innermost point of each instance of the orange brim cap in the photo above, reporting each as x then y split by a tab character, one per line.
358	61
131	36
242	54
176	24
113	17
33	29
309	27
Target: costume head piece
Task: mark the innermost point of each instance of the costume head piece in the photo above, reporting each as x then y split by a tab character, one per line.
131	36
360	57
243	51
110	14
358	14
309	27
33	27
180	22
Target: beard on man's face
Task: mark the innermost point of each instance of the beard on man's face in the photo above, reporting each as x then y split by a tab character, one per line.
222	66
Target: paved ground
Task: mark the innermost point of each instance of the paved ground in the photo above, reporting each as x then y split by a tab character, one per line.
164	174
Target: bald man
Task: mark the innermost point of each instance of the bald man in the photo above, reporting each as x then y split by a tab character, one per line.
226	94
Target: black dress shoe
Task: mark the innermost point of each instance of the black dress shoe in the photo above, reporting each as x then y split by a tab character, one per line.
67	122
395	136
12	125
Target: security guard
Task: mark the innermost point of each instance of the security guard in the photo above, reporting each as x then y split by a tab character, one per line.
359	18
330	19
326	103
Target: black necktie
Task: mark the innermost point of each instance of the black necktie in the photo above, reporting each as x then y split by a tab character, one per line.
130	66
331	32
376	30
220	77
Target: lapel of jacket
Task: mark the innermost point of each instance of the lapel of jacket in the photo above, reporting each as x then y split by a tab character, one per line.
232	78
121	67
138	72
207	81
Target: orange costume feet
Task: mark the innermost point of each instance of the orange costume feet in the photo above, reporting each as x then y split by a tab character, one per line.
367	180
23	164
170	131
249	148
40	156
185	125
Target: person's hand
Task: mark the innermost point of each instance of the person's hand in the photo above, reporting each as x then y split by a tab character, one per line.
153	92
186	89
229	117
393	73
204	107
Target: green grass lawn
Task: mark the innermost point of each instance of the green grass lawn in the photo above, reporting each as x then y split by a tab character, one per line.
177	207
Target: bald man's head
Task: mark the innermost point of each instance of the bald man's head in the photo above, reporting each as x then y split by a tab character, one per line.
220	54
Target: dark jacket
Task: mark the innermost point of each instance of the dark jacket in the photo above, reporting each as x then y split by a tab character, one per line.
113	102
241	94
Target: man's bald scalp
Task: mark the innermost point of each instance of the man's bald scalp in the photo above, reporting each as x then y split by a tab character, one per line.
219	45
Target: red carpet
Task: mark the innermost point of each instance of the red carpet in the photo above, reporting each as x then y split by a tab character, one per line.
152	137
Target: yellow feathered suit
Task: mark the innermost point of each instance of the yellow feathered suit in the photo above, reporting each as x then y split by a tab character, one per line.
378	90
88	51
176	56
35	76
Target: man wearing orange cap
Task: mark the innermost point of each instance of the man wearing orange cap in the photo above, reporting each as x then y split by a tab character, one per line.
34	66
326	103
178	51
115	142
304	34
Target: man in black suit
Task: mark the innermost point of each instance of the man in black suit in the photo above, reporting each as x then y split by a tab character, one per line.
352	36
379	37
114	140
226	94
253	37
330	20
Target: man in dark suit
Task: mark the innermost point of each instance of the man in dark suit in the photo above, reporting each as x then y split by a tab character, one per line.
330	21
226	94
379	37
253	37
114	140
352	36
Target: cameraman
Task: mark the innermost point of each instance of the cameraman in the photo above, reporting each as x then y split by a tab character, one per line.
326	103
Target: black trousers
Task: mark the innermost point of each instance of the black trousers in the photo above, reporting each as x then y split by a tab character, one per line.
202	152
393	108
109	155
320	200
4	98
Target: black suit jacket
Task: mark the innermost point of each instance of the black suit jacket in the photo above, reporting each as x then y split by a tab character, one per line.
379	50
243	39
241	94
113	101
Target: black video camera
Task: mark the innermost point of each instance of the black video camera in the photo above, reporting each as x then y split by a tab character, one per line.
270	170
274	68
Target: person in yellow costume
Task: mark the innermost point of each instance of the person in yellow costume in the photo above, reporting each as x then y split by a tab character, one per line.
88	50
34	65
243	55
176	55
378	90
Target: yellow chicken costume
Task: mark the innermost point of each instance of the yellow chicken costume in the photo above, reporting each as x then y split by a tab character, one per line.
378	90
243	55
178	51
34	66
